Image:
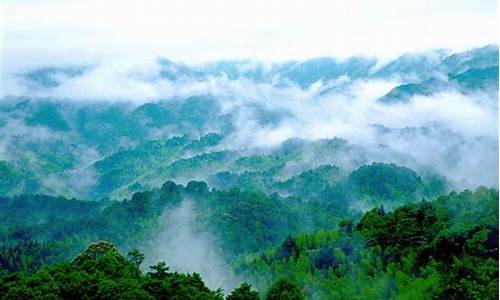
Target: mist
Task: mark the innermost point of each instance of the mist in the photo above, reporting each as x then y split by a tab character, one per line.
292	145
442	131
187	248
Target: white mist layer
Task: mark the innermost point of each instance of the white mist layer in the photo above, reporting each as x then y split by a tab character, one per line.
343	107
186	248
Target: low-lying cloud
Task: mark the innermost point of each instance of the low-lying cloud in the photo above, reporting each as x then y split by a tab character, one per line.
187	248
272	109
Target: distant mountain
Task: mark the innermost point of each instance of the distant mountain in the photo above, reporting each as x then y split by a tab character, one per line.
466	72
177	71
236	69
328	172
477	58
325	69
113	148
50	77
404	92
411	67
477	79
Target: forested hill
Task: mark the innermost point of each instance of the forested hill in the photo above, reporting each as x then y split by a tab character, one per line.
229	122
240	220
447	247
323	178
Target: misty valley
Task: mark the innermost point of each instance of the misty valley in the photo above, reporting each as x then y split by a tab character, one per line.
326	178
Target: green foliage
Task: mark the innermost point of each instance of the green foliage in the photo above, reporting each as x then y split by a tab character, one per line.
160	271
418	251
259	163
136	257
48	115
312	182
243	292
10	177
287	218
202	163
246	221
448	246
385	181
25	210
101	272
284	289
15	178
208	140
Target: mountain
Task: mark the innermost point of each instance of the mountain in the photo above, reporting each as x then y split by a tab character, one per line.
477	58
322	178
404	92
51	77
477	79
325	69
412	66
468	72
425	243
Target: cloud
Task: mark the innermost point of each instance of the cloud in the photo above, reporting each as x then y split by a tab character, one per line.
271	109
14	132
197	30
453	134
187	248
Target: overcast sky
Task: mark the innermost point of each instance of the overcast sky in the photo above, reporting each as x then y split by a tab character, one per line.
197	30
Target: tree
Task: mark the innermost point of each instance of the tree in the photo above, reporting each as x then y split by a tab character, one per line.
284	289
346	226
160	271
288	249
243	292
136	257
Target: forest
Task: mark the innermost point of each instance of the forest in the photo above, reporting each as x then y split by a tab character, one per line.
444	247
322	178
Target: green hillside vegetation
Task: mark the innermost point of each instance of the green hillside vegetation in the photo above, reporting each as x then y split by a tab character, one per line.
430	249
419	251
323	178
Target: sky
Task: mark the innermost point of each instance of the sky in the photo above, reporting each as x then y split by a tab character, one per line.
193	31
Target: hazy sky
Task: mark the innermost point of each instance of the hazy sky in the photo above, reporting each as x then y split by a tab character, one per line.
198	30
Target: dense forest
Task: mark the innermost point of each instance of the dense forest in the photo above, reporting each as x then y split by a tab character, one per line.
315	179
447	247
